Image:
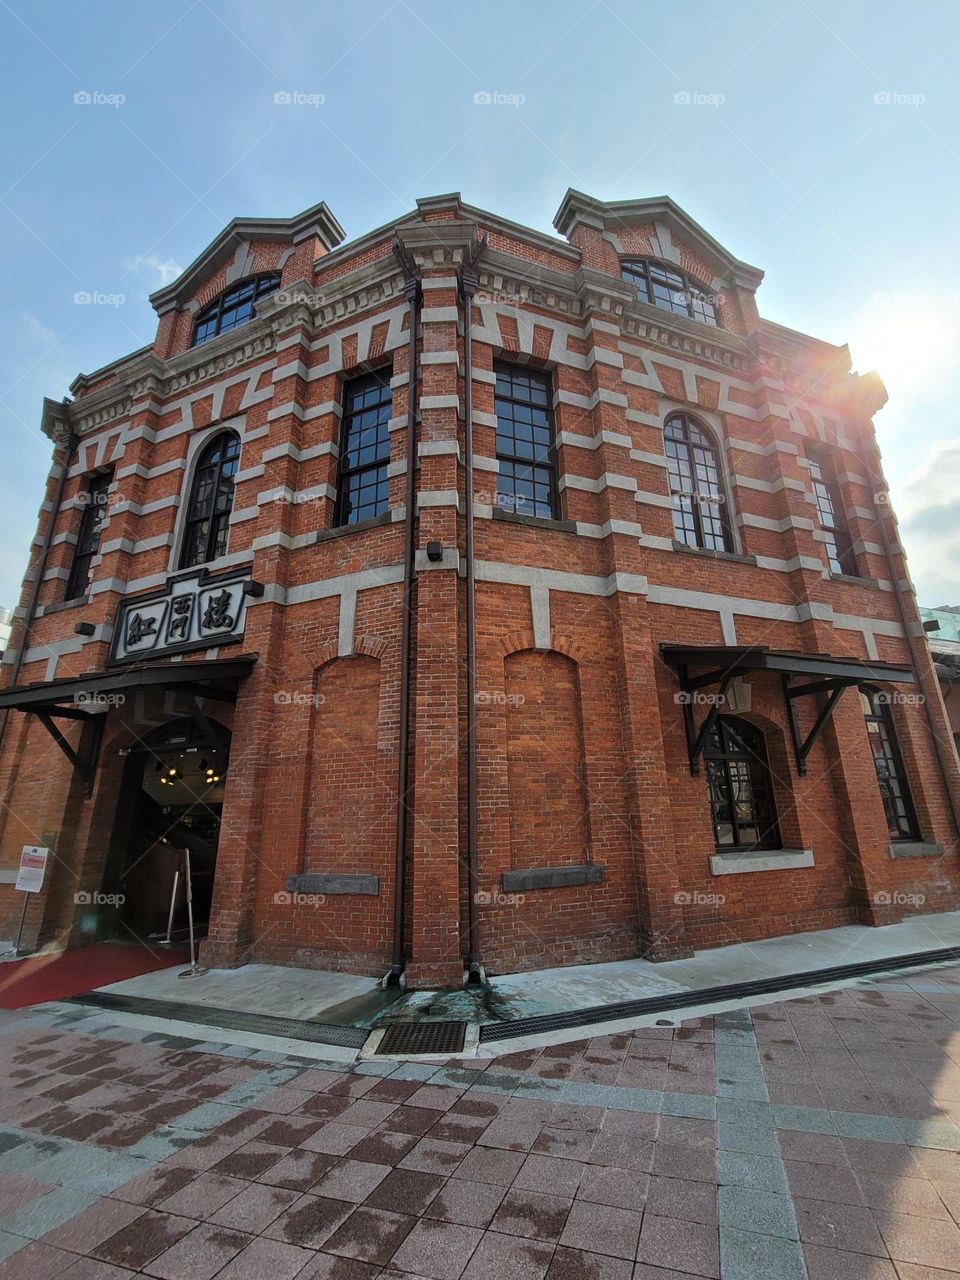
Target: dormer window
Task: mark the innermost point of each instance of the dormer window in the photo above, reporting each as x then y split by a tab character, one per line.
673	290
234	307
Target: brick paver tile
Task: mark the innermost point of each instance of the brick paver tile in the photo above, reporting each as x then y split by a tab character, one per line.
310	1221
330	1266
138	1243
386	1146
924	1241
366	1114
94	1269
250	1160
38	1261
150	1188
532	1214
500	1257
472	1204
621	1188
407	1119
431	1156
255	1208
372	1235
351	1180
600	1228
334	1138
298	1170
689	1247
550	1175
823	1182
839	1226
200	1255
288	1131
83	1233
490	1164
682	1198
575	1264
437	1250
837	1264
202	1197
405	1191
265	1259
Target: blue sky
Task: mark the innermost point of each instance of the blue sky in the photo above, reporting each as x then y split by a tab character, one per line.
822	146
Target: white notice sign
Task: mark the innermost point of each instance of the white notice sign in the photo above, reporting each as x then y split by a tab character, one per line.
33	864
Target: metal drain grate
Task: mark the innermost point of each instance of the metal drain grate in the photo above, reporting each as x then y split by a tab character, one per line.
423	1037
226	1019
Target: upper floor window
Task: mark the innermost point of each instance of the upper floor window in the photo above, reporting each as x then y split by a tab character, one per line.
234	307
88	538
891	778
699	504
211	501
670	289
832	517
738	779
363	489
526	448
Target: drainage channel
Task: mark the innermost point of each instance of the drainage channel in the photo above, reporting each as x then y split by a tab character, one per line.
491	1032
226	1019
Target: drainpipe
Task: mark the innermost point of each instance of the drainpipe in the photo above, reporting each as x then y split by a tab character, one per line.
468	287
411	291
920	668
68	444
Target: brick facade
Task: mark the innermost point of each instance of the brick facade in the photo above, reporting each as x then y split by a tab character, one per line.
582	757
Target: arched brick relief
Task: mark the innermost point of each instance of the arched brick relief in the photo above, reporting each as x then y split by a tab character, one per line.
349	772
546	762
517	641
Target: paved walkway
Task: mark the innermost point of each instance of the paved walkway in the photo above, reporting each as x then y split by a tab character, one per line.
818	1136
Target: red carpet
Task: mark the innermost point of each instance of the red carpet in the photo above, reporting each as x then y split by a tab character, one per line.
37	979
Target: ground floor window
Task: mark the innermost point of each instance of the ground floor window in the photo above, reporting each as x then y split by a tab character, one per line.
740	786
891	777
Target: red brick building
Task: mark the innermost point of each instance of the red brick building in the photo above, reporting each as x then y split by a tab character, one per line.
627	662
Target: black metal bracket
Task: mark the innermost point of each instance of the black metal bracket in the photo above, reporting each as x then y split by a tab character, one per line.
803	746
697	738
84	760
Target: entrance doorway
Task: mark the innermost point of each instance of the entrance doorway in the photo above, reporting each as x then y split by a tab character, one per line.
172	800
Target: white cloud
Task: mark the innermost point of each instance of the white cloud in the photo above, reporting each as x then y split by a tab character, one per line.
929	508
163	271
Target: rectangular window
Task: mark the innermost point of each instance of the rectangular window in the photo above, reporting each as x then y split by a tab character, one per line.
88	538
363	487
891	776
833	520
526	450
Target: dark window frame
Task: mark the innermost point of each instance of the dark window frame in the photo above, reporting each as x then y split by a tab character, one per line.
667	287
88	535
904	820
832	516
698	448
215	512
721	752
354	479
538	471
230	300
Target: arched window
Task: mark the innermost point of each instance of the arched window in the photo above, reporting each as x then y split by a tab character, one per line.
891	777
741	791
211	501
699	504
670	289
234	307
833	518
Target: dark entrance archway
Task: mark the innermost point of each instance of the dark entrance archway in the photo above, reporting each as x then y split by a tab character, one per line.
171	800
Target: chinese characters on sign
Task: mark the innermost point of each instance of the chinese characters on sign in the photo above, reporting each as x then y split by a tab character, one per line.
33	864
192	612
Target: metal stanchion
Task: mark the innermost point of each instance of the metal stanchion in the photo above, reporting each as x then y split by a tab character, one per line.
15	950
173	904
195	970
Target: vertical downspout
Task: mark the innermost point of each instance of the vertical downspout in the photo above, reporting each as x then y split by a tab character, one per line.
411	291
468	287
919	668
68	444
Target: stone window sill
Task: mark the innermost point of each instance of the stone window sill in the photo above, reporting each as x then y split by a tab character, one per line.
61	606
551	877
333	884
732	557
535	522
341	531
854	580
732	863
915	849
